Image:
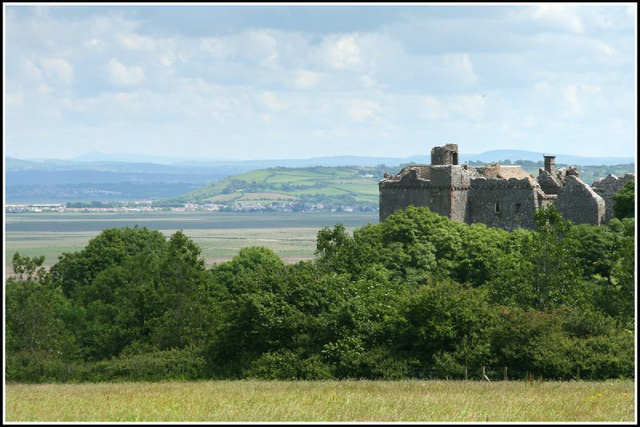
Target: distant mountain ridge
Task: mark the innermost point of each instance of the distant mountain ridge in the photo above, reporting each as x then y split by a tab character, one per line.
236	166
568	159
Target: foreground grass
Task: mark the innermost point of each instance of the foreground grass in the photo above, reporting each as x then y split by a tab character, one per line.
417	401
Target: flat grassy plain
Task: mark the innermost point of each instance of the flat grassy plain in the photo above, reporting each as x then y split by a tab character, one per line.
355	401
220	235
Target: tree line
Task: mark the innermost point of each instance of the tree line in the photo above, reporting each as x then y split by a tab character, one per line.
416	296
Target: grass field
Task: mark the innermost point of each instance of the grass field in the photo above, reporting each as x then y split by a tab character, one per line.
220	235
355	401
277	184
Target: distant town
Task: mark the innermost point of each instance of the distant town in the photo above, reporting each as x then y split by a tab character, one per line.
148	206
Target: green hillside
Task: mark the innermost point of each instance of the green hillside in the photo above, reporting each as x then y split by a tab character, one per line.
350	185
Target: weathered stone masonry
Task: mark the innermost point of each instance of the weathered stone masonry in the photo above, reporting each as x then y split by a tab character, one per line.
498	196
607	187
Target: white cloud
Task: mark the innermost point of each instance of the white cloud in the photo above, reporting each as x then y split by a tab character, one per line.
604	48
459	66
592	90
468	106
14	99
58	69
333	74
168	59
529	121
217	48
362	109
120	75
272	103
306	79
571	96
432	109
369	82
93	42
342	52
137	42
31	70
559	15
453	107
266	118
260	47
257	47
44	89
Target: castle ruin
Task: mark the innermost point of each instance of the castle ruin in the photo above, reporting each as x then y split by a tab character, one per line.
496	195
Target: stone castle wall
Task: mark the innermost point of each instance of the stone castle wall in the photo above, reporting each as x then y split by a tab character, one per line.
577	202
498	196
550	184
442	188
607	187
408	190
507	204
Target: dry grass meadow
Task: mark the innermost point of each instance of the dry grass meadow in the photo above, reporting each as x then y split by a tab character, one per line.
324	401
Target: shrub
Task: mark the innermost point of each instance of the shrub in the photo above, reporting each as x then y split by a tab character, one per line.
287	365
174	364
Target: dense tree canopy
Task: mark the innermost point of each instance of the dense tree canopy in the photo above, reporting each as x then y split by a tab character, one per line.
624	202
415	296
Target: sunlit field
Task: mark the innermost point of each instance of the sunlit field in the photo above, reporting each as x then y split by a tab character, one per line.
359	401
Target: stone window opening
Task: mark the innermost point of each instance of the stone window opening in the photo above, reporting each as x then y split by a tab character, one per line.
518	207
497	207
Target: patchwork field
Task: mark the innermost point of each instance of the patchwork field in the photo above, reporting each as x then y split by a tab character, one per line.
326	184
337	401
221	235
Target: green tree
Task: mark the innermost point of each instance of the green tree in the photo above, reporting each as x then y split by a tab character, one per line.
446	320
511	283
37	342
556	271
624	202
76	270
189	314
621	293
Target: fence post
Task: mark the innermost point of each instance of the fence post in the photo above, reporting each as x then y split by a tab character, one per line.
466	374
484	374
505	373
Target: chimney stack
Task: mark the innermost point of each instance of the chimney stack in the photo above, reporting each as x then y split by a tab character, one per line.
550	164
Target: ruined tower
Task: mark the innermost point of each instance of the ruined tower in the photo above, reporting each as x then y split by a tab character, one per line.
447	155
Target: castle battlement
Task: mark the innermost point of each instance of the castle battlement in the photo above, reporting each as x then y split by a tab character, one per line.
499	183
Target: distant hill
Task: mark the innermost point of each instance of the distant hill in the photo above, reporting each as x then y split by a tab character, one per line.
52	181
344	185
141	163
488	156
55	165
97	156
514	155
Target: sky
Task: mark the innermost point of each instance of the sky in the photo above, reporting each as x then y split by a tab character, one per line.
300	81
